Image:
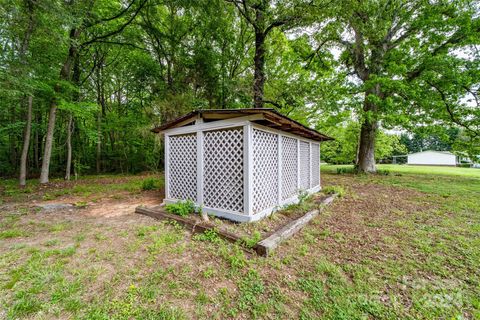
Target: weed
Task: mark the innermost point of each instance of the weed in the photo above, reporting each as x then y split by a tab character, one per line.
81	204
383	172
181	208
208	273
202	297
163	240
100	237
339	190
250	242
151	184
234	255
210	235
52	242
79	237
57	227
302	196
346	170
12	233
251	287
144	230
48	196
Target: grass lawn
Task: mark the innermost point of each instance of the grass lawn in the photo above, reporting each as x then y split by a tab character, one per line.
431	170
403	245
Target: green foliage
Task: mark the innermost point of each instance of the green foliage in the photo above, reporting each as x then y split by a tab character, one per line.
181	208
415	67
209	235
303	196
344	149
151	184
383	172
11	233
251	241
346	170
339	190
251	287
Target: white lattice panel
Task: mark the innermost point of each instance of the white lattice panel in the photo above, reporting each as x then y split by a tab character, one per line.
223	169
315	161
182	164
265	170
304	165
289	167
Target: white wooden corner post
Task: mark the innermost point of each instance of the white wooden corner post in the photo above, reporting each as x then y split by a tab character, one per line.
310	170
319	165
247	169
298	165
279	148
200	168
167	169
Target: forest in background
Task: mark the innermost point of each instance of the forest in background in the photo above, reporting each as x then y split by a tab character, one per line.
83	82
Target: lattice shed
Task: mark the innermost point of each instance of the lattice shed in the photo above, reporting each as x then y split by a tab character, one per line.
240	164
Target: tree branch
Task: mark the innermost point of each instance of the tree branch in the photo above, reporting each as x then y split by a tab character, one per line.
450	111
244	12
122	27
118	15
456	38
273	103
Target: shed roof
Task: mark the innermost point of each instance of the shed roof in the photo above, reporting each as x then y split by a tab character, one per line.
432	151
268	117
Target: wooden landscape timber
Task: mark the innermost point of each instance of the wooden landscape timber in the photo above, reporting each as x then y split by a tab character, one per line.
267	245
263	248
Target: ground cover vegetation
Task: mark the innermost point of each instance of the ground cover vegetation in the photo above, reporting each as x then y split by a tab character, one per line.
403	245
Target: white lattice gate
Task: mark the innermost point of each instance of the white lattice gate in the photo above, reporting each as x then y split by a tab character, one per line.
240	172
182	164
223	170
265	170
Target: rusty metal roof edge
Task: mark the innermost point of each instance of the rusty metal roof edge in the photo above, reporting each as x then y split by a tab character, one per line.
194	113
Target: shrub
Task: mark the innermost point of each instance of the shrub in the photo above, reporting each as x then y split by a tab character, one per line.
150	184
181	208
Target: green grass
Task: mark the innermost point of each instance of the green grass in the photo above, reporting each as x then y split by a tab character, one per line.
87	186
398	246
406	169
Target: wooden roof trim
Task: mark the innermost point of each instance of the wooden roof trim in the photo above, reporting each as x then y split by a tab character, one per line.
278	120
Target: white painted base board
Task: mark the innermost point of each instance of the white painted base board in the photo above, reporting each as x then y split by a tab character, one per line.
239	217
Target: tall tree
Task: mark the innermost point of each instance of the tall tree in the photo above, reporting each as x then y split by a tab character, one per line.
85	22
30	13
389	46
264	16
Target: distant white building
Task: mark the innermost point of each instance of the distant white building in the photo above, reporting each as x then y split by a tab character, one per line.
432	158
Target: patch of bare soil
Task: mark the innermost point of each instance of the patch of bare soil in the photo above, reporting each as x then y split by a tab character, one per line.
127	205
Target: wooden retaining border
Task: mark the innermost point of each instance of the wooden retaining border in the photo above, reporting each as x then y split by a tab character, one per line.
262	248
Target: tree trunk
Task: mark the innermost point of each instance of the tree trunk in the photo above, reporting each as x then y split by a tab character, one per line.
26	144
259	61
366	146
36	146
69	147
101	113
99	141
64	76
47	151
